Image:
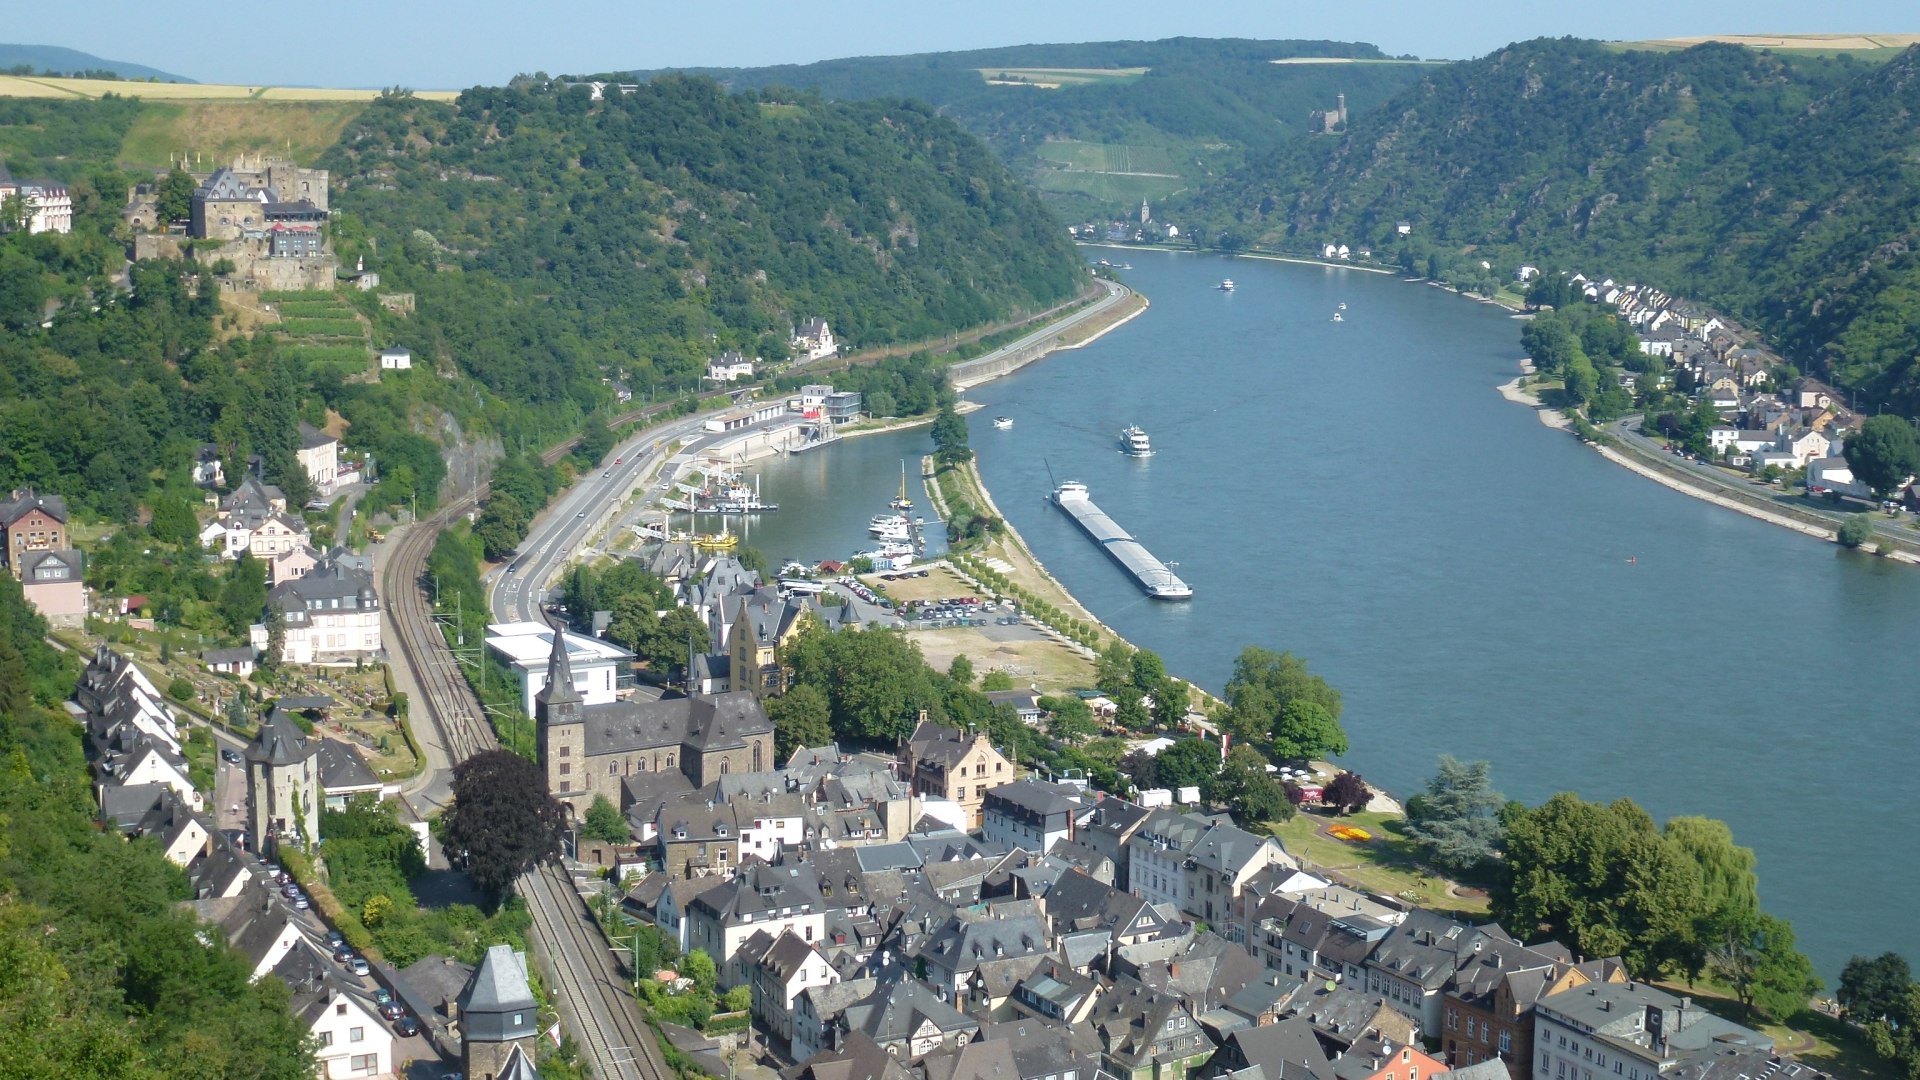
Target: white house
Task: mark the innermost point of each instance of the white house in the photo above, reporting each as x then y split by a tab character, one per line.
790	966
353	1040
526	647
1031	814
1834	474
49	207
1526	272
814	340
396	359
331	613
319	455
730	366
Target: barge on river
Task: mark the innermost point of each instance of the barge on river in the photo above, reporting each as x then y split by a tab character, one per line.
1154	576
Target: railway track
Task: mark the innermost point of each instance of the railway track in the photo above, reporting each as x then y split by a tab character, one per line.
592	996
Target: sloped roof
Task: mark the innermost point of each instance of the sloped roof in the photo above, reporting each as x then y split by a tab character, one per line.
281	741
499	984
342	768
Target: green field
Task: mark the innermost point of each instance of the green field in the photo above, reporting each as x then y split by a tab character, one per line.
1109	188
1108	157
212	132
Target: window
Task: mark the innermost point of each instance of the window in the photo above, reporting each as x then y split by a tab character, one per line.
340	1009
326	1039
565	768
518	1019
1544	1058
1506	1042
366	1063
566	751
358	1034
613	768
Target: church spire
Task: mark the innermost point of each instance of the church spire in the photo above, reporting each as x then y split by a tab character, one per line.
559	689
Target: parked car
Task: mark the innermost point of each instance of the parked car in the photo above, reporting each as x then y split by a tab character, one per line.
392	1010
358	965
335	939
343	952
406	1027
229	757
382	995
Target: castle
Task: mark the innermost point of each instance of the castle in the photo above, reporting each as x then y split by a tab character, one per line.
1329	121
269	213
592	750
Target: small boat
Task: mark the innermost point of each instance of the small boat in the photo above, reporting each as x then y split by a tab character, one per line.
1134	442
1337	318
896	530
1343	305
1122	266
1226	285
1002	423
900	501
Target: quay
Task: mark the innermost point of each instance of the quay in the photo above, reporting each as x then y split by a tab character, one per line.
1154	576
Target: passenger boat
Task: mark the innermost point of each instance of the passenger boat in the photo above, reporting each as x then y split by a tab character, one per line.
1002	423
1226	285
1134	442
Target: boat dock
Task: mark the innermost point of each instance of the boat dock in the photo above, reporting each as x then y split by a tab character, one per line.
1154	576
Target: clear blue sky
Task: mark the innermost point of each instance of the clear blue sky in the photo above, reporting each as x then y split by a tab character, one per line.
441	45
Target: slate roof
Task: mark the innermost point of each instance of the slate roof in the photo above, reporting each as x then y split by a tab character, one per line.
972	1061
74	561
1287	1049
787	954
342	769
963	944
24	502
281	741
1078	901
1426	949
499	984
517	1066
760	888
709	722
896	1008
859	1058
125	804
242	654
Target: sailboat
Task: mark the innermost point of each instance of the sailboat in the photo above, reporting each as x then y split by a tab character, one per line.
900	501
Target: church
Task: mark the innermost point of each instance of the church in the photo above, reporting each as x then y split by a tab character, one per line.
588	750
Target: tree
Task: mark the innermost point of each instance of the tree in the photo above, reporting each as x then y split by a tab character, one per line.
596	441
801	717
1884	453
1069	719
501	526
997	679
1456	819
1246	789
1305	730
1188	763
950	438
604	822
1754	954
1729	887
1142	768
1264	683
1874	989
502	820
1346	793
173	522
876	680
174	198
961	670
699	967
180	689
1856	530
243	598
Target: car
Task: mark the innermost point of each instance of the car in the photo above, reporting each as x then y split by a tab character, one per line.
382	995
581	514
301	903
616	461
343	952
513	567
608	475
289	891
230	757
335	939
406	1027
358	965
392	1010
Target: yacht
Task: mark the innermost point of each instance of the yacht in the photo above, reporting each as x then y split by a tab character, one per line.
1343	305
1226	285
900	501
890	529
1002	423
1134	442
1337	317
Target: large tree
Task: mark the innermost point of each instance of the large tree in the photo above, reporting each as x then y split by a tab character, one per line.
1188	763
1754	953
950	438
1884	453
876	680
502	821
1248	790
801	717
1873	989
1455	817
604	822
1263	685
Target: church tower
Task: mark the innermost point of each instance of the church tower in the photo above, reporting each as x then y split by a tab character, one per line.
560	722
497	1016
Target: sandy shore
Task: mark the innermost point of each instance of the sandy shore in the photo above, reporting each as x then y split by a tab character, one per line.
1553	418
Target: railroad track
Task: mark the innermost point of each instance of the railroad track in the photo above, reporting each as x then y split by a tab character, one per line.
584	973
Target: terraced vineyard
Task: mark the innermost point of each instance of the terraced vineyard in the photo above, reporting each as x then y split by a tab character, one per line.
323	330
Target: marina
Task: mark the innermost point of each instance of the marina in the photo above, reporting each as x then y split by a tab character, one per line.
1154	576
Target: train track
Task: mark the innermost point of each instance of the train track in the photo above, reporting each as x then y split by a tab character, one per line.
592	997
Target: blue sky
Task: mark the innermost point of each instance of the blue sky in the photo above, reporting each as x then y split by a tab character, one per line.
433	45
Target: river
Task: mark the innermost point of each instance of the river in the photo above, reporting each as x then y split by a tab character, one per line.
1475	584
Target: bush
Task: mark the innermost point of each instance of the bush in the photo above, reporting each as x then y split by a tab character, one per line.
180	690
1857	530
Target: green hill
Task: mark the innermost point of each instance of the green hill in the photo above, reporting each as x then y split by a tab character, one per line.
551	238
1781	187
42	59
1099	126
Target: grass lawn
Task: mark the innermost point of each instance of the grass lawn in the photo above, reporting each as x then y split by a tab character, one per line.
1054	78
1042	662
1385	865
218	130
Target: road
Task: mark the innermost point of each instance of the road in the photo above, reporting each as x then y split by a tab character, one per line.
1716	480
590	991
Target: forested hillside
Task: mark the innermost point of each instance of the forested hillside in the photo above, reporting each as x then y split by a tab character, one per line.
1782	189
551	237
1052	111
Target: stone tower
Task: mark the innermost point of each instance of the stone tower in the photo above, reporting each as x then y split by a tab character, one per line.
283	784
559	716
497	1015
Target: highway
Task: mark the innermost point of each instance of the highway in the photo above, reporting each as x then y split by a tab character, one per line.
589	989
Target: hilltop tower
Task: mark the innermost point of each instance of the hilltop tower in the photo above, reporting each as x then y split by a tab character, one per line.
559	716
497	1015
1340	109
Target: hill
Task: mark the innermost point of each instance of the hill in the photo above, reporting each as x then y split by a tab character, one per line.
552	238
1100	126
37	59
1778	186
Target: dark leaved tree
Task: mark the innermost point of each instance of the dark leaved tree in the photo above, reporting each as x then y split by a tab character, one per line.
1346	793
502	821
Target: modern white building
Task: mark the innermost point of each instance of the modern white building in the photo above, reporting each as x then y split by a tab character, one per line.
1032	814
525	647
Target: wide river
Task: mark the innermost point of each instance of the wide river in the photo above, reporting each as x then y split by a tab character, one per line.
1474	583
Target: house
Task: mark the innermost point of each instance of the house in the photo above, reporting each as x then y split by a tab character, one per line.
842	407
256	923
1107	830
1380	1058
791	964
344	774
1143	1034
1024	703
143	760
906	1018
770	898
1031	814
1834	474
352	1038
817	1011
28	523
331	614
54	582
730	366
1288	1048
1077	902
319	456
253	519
859	1058
813	340
951	764
396	358
1413	963
1643	1031
283	783
600	668
1526	273
1197	863
1488	1004
763	623
955	950
45	206
235	661
1402	228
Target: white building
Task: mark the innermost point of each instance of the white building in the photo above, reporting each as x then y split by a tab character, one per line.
332	614
813	340
46	207
1032	814
730	366
525	647
396	359
319	455
790	966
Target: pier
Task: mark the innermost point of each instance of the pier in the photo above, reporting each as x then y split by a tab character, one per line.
1154	576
